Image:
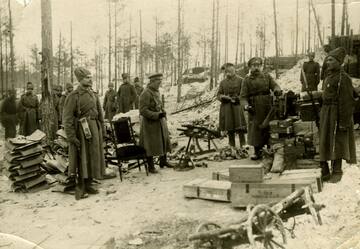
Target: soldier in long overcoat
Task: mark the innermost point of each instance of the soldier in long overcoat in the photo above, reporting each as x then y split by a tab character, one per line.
256	98
311	71
336	117
68	89
126	95
86	154
139	88
8	114
29	111
231	116
154	135
110	102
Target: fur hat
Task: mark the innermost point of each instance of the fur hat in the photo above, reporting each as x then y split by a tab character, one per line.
81	73
339	54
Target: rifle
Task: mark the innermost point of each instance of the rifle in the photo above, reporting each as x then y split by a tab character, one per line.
315	110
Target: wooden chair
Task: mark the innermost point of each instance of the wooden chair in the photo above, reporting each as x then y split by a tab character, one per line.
126	145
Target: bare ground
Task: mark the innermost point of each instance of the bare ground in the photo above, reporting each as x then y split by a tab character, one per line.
151	210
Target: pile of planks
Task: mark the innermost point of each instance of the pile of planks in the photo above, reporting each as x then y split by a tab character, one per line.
246	184
23	160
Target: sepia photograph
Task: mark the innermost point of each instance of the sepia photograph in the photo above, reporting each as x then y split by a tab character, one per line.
179	124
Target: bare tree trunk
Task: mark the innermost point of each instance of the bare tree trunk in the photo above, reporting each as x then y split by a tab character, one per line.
264	41
317	23
237	36
48	112
204	51
130	48
156	44
6	64
297	29
217	47
213	43
309	26
179	80
332	18
59	60
343	18
109	64
276	42
12	54
115	46
226	33
71	57
141	52
1	59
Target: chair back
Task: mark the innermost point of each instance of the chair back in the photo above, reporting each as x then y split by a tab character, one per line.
123	130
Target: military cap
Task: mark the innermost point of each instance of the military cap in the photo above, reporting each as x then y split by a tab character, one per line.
124	75
111	84
254	60
69	85
81	73
136	79
339	54
228	64
312	54
155	76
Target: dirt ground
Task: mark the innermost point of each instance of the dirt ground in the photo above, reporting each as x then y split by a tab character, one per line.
152	212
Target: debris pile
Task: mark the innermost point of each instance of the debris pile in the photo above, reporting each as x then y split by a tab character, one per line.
23	160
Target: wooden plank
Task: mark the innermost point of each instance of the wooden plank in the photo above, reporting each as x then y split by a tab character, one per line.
215	190
191	189
243	194
246	173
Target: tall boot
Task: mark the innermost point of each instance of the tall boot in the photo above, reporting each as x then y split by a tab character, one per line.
257	155
151	168
325	172
242	140
164	162
336	170
89	188
336	166
231	136
80	192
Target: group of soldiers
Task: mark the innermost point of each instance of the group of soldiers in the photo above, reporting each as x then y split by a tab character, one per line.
253	95
81	115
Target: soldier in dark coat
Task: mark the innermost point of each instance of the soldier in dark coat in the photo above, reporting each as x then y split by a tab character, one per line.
126	95
86	154
110	102
8	114
257	101
311	71
56	101
69	88
139	88
323	74
231	117
29	111
154	135
336	117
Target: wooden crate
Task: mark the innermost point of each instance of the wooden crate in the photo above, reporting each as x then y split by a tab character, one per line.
222	175
246	173
307	163
191	189
208	189
215	190
243	194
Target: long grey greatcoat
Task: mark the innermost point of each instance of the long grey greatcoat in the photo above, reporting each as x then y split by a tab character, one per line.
126	97
154	135
29	114
312	74
255	91
110	104
231	116
8	116
336	118
89	159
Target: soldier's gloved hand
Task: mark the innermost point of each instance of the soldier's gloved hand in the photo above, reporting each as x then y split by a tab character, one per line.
162	115
75	142
236	100
277	92
225	99
249	109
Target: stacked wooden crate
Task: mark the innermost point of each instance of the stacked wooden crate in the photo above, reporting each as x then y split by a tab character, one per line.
22	163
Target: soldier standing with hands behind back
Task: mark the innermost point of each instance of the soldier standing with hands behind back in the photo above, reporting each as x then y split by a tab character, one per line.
154	135
29	111
126	95
86	154
231	117
257	101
